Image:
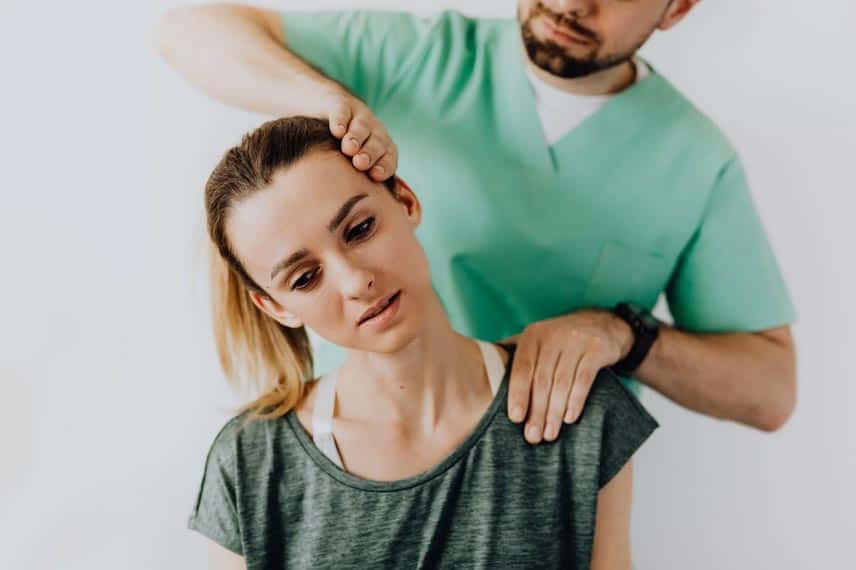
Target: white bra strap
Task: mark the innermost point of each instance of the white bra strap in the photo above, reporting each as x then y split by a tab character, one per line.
322	418
493	364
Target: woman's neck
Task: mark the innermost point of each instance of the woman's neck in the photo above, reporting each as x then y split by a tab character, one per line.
439	374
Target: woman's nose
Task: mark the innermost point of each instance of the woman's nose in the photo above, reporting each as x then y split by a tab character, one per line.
357	282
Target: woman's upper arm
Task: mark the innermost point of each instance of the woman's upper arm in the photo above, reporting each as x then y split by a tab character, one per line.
220	558
611	549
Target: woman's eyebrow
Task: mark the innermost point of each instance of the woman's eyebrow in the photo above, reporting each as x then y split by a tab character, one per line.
344	211
290	260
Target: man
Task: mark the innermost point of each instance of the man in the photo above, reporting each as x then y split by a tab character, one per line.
566	184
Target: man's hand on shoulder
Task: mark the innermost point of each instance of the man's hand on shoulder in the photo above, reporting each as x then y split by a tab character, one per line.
555	365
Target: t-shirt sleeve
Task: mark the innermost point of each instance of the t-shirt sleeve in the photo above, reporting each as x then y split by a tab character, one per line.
364	51
625	426
215	514
727	278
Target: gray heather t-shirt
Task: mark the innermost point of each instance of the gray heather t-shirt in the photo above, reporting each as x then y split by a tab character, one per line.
496	502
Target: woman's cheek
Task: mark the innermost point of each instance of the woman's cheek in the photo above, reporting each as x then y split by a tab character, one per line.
315	309
324	307
415	263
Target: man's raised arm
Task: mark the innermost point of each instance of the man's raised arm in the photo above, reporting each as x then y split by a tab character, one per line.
238	55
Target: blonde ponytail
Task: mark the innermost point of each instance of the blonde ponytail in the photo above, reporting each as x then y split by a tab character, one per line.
256	353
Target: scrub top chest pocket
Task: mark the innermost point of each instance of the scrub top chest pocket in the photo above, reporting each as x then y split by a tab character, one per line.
624	273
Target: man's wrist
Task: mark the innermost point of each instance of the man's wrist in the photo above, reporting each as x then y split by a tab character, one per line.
319	95
622	332
644	328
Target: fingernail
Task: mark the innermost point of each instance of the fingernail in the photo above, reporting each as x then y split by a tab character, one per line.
550	432
377	171
534	433
570	417
340	127
517	414
362	156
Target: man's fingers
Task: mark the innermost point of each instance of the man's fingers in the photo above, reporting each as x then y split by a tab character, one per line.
358	132
521	379
562	382
372	150
385	166
339	119
364	138
542	383
583	379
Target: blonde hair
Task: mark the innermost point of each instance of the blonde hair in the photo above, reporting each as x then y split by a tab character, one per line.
256	351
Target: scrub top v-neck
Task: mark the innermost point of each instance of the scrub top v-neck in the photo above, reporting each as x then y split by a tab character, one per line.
645	196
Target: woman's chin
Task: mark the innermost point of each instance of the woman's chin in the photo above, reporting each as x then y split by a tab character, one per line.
392	341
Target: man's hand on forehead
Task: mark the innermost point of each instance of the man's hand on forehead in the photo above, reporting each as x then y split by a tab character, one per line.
364	138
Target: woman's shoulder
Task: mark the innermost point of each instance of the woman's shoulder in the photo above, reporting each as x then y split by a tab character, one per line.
245	436
234	434
613	426
305	407
610	406
609	395
609	402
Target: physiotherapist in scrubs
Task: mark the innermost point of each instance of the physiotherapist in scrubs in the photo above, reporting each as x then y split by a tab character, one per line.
565	182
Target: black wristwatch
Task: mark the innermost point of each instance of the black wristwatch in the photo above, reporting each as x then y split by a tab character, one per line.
645	330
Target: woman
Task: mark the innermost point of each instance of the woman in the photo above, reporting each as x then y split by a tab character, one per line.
400	458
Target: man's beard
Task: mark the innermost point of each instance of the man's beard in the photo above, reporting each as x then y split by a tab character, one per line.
552	58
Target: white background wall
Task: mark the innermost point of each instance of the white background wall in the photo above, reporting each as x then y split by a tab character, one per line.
109	386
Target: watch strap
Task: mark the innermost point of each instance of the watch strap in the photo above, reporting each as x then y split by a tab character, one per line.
643	338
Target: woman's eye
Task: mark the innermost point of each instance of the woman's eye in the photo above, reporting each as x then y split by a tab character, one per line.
361	230
305	280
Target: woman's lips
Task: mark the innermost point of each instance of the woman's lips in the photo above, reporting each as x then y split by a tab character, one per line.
382	318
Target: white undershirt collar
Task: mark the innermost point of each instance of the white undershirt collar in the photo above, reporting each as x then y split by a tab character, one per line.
560	111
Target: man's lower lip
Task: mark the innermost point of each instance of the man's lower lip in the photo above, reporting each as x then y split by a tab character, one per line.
387	313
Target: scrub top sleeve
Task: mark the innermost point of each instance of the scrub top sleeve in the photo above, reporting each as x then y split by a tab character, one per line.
727	278
215	513
626	426
364	51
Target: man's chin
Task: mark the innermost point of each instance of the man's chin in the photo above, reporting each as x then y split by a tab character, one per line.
568	67
562	65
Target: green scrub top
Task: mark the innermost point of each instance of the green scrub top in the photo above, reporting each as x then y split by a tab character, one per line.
645	196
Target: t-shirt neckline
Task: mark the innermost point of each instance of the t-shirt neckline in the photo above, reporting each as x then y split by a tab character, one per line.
326	464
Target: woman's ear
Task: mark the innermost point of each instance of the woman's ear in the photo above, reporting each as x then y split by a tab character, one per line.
675	13
406	197
274	310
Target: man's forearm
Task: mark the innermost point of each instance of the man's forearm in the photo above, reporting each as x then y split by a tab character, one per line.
236	54
746	377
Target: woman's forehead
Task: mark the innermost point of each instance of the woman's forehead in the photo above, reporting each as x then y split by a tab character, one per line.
306	189
319	175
